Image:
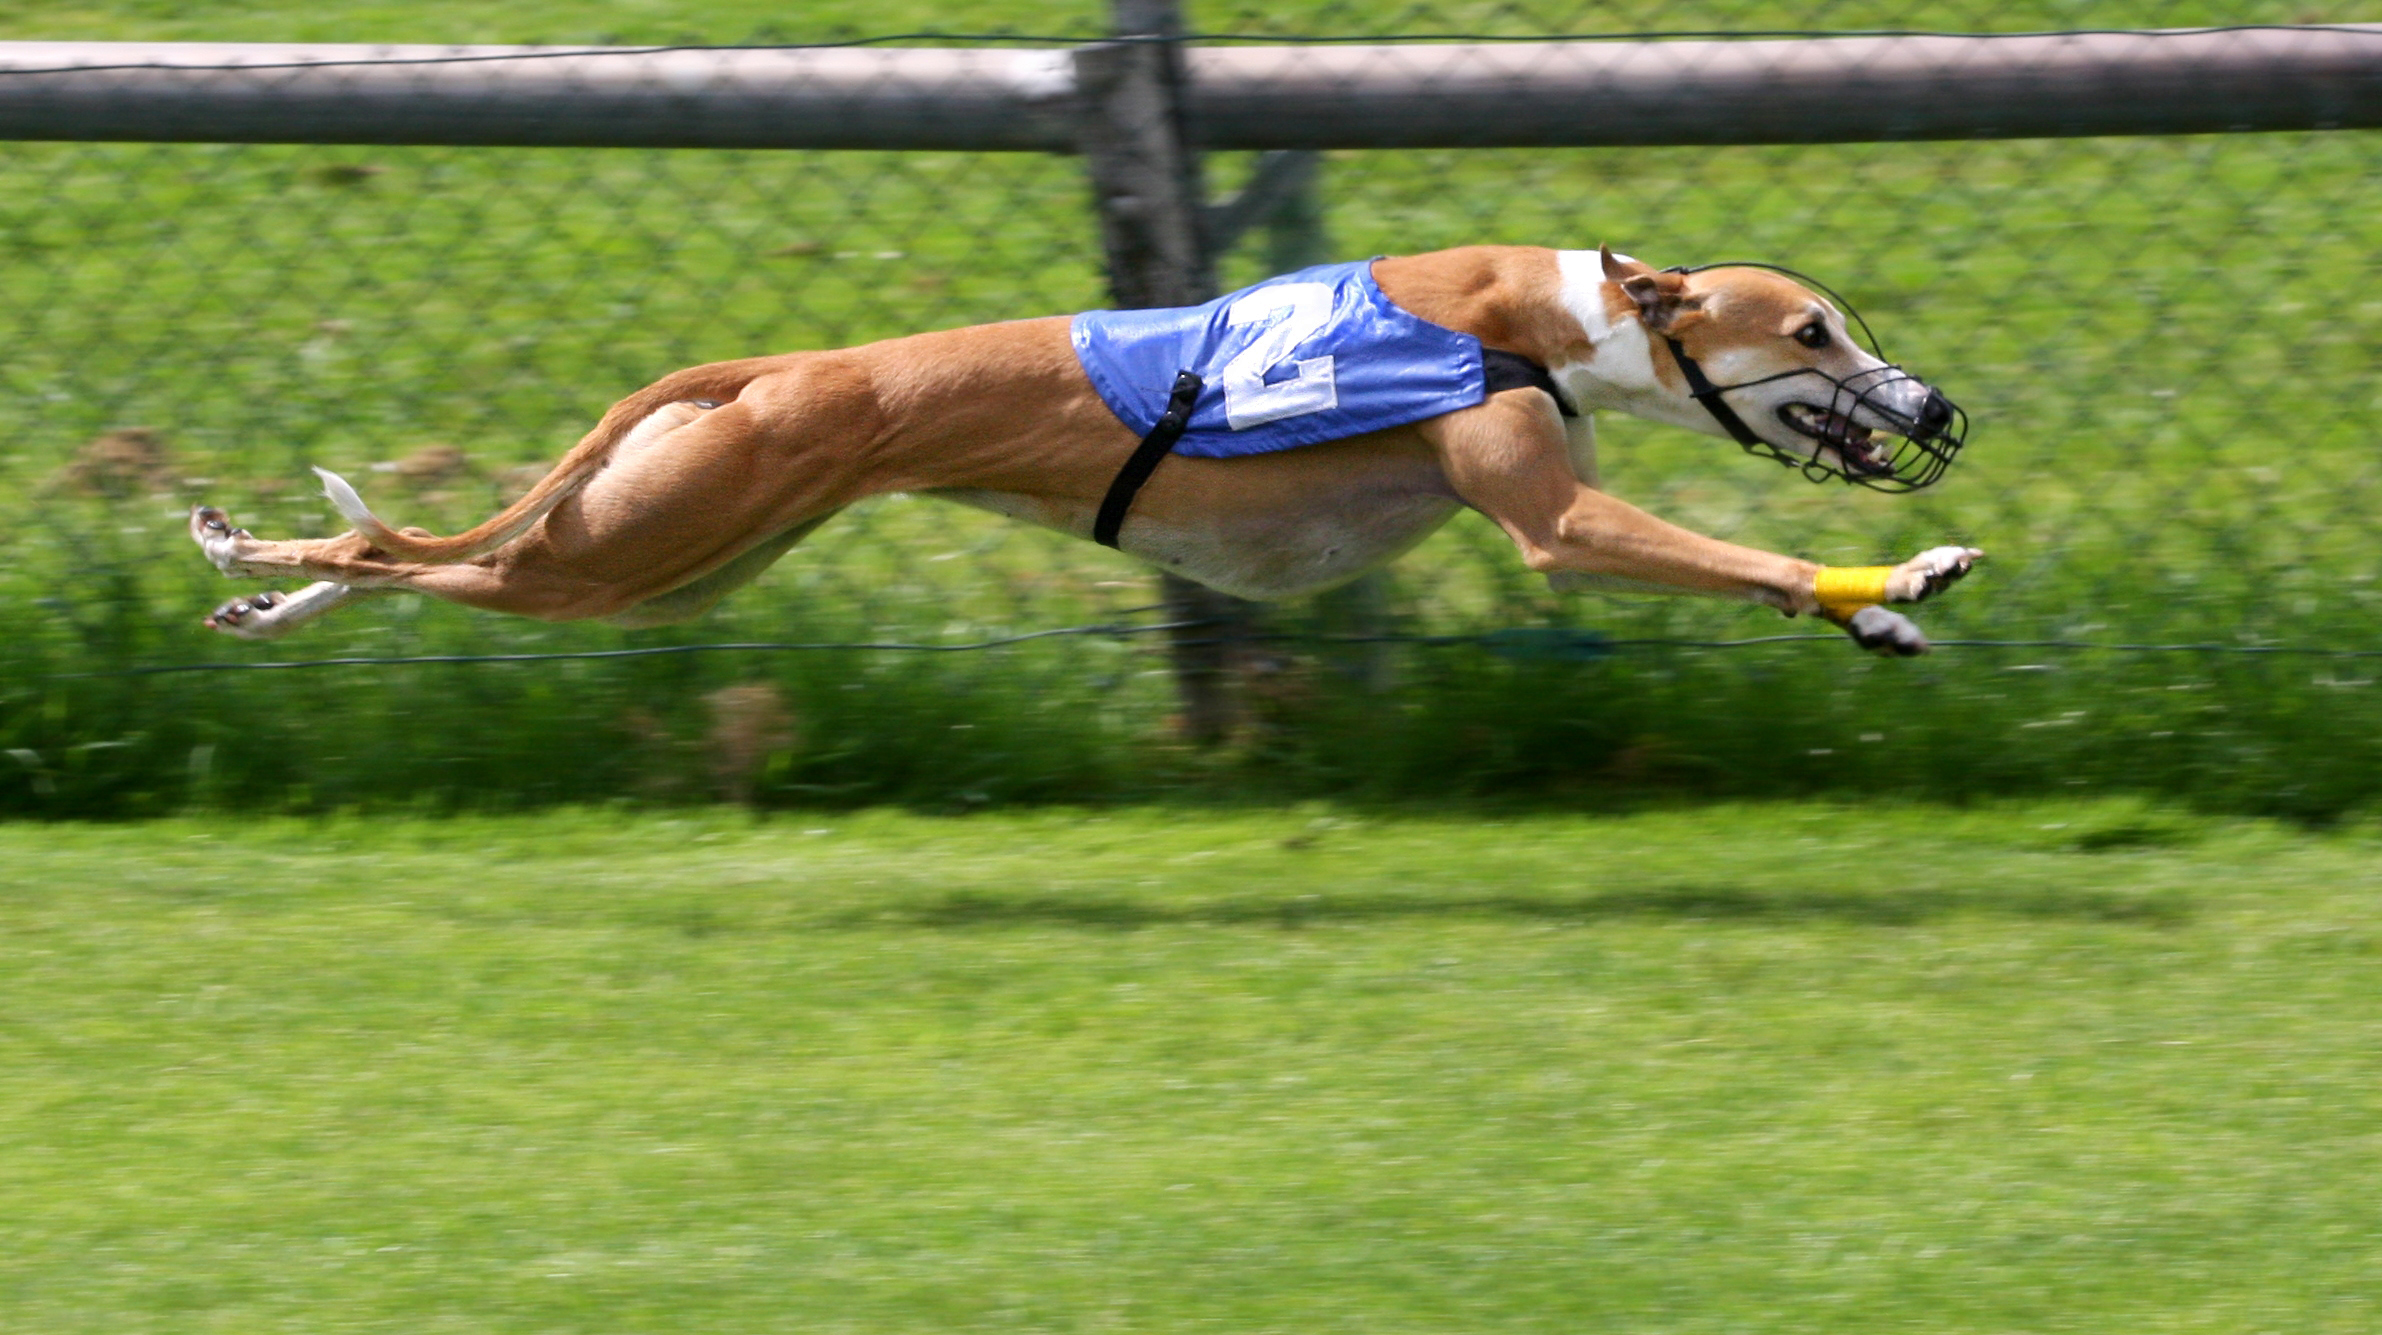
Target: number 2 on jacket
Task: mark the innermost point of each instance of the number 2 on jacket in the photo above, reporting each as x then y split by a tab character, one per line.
1248	400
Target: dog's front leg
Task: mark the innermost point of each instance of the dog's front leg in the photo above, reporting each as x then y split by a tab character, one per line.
1508	458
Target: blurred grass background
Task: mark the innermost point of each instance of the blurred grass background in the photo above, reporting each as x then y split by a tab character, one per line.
2166	344
2059	1066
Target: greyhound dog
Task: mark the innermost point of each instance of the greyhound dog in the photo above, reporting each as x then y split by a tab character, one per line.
1344	413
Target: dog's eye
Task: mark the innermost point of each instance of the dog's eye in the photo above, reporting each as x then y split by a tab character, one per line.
1813	335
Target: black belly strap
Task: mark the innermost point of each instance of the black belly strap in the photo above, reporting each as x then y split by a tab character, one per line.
1154	446
1499	371
1511	370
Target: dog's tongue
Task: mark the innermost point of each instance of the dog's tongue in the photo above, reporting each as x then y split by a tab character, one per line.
1840	427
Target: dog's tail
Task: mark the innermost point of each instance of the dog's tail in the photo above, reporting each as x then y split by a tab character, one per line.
719	381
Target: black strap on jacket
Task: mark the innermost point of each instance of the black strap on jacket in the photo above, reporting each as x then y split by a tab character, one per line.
1701	389
1154	446
1510	370
1499	371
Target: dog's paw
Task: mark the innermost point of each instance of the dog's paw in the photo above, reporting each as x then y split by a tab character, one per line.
1930	573
251	618
225	546
1887	633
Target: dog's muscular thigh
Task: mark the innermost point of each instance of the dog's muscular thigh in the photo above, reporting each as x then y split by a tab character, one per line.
690	501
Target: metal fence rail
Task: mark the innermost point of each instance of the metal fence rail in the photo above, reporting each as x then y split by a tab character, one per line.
1590	93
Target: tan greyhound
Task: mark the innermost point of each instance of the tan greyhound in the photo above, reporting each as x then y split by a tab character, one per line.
694	485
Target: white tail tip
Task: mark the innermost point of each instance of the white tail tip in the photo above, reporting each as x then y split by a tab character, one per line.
344	497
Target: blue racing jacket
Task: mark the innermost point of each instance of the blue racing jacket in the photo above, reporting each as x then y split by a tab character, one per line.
1308	357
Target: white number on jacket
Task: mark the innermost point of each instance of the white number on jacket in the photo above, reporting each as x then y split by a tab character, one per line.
1299	311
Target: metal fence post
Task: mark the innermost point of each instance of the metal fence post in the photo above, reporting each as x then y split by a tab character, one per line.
1291	215
1152	197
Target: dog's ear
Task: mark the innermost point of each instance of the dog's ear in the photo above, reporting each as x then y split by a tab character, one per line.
1621	267
1664	303
1662	298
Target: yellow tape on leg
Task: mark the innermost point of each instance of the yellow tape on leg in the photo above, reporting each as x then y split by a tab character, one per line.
1847	589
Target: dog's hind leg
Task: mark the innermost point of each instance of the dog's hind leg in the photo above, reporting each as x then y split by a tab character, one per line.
691	491
353	558
689	601
270	615
731	484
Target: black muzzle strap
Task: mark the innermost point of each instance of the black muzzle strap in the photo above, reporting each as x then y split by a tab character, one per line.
1154	446
1702	390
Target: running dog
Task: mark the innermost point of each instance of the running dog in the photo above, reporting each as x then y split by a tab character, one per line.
1311	428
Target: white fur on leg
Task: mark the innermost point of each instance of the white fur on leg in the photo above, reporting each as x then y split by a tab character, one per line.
1930	573
235	551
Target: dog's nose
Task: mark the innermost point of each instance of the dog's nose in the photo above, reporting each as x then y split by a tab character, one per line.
1935	414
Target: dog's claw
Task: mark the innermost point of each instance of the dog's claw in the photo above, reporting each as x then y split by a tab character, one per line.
240	616
1884	632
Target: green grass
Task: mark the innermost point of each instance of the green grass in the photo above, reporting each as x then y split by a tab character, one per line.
2048	1068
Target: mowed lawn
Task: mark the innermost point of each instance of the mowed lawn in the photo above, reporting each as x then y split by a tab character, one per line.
2023	1069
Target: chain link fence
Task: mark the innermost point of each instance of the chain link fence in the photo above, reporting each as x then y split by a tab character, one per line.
2166	343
